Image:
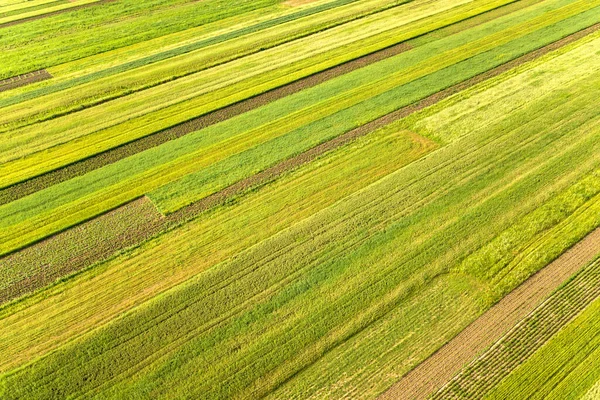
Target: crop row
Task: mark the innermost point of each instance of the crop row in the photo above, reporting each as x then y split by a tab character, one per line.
315	280
277	131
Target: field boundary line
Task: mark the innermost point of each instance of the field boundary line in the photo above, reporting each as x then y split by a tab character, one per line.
442	366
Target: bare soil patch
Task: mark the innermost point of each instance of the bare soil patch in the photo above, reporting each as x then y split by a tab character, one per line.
24	79
443	365
74	249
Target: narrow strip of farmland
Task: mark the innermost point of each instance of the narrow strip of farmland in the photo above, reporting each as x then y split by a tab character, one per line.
437	370
529	334
55	12
24	79
78	257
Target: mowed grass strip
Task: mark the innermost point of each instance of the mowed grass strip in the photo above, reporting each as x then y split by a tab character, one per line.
100	179
281	317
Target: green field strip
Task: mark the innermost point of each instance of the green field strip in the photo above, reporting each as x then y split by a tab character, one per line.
28	47
565	368
526	337
30	6
162	118
352	264
285	55
295	29
57	214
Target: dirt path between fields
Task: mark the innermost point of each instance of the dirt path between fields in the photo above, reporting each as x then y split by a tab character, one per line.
25	79
51	13
46	276
443	365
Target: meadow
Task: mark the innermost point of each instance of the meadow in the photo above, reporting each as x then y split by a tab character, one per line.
471	163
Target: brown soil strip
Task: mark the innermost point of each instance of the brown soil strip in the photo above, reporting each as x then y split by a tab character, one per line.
81	167
526	337
25	79
72	250
49	14
437	370
145	232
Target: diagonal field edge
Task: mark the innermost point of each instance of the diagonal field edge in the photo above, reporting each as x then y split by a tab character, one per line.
46	276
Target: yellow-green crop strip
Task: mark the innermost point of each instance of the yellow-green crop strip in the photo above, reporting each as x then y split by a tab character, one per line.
340	275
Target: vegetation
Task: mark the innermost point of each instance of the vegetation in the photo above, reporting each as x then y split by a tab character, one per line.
336	276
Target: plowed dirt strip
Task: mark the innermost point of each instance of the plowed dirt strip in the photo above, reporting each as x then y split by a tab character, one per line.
525	338
261	178
79	168
438	369
25	79
78	248
33	18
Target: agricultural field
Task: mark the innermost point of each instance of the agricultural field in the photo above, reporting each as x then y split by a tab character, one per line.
326	199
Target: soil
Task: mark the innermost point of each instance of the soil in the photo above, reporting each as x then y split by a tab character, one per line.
23	80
